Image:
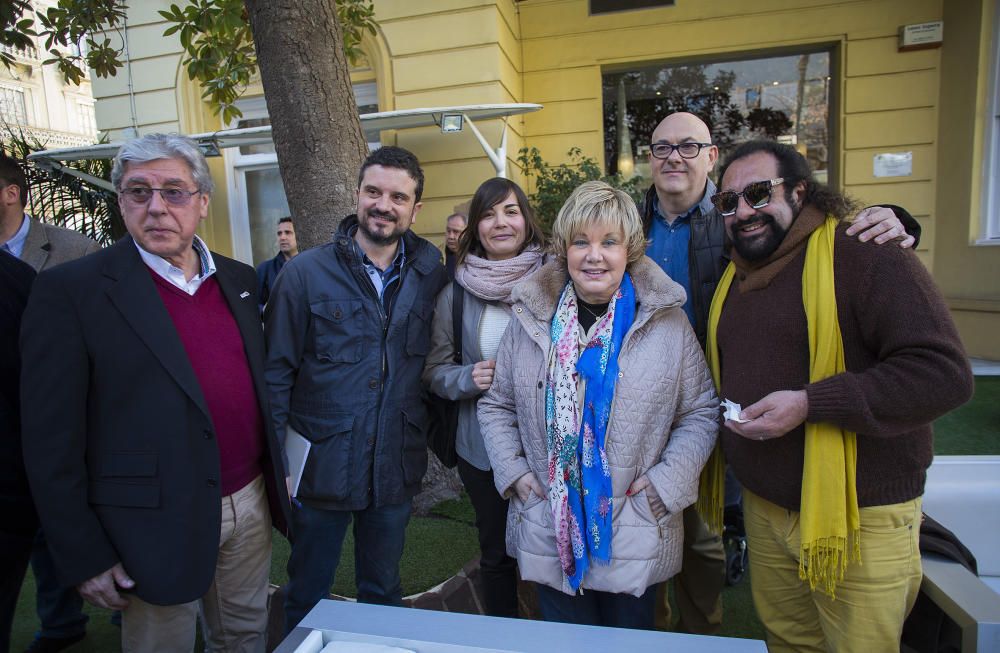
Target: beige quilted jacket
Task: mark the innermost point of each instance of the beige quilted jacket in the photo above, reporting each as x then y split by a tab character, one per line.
664	419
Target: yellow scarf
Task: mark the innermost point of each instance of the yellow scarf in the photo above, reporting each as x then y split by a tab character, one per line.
829	517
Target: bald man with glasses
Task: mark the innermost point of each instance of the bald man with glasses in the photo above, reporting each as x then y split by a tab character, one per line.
687	239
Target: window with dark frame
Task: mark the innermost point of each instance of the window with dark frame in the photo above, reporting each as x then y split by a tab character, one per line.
785	97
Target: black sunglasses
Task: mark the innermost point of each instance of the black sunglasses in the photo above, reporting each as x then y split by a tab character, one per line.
756	195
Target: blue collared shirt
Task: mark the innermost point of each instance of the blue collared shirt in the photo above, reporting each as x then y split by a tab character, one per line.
16	243
669	244
382	279
173	274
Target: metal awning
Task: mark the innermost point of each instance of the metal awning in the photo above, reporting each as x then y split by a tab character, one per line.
212	143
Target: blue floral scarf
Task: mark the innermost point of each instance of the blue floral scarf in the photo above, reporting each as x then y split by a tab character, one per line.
580	493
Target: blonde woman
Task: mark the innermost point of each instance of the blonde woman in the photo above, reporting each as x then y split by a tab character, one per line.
599	418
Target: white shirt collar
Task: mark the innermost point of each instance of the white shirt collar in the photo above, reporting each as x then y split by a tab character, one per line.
173	274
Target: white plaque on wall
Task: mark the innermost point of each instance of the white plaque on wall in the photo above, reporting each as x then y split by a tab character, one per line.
893	164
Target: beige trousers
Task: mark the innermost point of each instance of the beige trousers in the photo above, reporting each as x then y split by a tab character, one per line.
234	610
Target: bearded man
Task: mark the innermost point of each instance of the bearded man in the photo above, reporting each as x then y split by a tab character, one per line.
348	327
843	354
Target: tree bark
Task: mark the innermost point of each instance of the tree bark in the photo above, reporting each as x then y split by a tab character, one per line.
314	118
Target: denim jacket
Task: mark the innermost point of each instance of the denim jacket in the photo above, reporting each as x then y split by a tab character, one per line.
347	376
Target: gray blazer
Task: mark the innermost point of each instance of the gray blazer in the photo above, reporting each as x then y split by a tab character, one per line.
446	379
48	245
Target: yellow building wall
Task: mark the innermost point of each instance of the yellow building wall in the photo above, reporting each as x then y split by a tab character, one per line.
164	101
966	271
449	53
888	99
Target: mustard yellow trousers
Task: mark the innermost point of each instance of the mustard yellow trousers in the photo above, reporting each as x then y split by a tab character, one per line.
871	601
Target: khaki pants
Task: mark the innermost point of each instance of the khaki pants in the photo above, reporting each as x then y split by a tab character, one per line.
698	586
234	610
872	600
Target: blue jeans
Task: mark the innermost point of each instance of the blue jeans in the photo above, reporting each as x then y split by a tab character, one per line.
379	534
60	609
593	608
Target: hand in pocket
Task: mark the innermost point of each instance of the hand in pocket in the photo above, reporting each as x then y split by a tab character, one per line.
656	504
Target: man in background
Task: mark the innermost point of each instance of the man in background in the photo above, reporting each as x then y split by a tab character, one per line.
20	523
268	271
454	227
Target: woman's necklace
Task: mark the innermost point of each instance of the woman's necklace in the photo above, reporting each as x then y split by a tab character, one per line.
598	315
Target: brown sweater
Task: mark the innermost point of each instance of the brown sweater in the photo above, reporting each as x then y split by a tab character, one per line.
905	365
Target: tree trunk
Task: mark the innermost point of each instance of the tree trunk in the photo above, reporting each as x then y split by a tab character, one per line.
314	118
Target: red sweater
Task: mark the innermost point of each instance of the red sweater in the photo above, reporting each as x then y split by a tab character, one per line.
905	365
214	347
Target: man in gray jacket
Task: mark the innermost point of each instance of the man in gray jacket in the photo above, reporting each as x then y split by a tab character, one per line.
348	327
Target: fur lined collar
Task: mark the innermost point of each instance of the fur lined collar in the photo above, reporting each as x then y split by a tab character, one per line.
654	290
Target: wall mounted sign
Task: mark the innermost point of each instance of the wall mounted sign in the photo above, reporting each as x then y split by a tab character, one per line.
893	164
921	36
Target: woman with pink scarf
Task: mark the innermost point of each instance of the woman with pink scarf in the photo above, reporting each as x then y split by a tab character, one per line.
501	246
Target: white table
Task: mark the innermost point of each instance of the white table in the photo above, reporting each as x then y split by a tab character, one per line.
433	631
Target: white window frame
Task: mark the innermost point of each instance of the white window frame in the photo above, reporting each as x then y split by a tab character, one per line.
25	103
990	211
237	165
86	116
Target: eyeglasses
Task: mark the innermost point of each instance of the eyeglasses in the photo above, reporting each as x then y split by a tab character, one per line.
140	195
686	150
756	195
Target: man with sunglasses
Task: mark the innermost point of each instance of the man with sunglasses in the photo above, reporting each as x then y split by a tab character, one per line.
146	435
687	239
842	356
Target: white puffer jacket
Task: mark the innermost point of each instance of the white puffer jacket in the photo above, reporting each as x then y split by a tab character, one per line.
664	421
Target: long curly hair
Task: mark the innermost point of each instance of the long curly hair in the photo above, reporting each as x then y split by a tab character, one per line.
793	168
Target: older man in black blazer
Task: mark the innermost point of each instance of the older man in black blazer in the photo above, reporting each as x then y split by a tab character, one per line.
144	417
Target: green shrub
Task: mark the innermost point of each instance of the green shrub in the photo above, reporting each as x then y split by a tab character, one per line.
554	183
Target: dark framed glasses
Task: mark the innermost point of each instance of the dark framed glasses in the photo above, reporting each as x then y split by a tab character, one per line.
686	150
140	195
756	195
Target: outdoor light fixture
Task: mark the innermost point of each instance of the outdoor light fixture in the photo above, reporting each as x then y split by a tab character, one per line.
451	122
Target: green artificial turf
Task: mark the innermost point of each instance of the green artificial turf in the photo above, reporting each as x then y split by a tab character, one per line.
436	548
439	545
973	429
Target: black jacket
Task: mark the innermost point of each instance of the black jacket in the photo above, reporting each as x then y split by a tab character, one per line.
347	377
118	440
267	272
16	506
707	257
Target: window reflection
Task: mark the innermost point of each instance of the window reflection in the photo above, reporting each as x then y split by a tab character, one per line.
786	98
266	204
